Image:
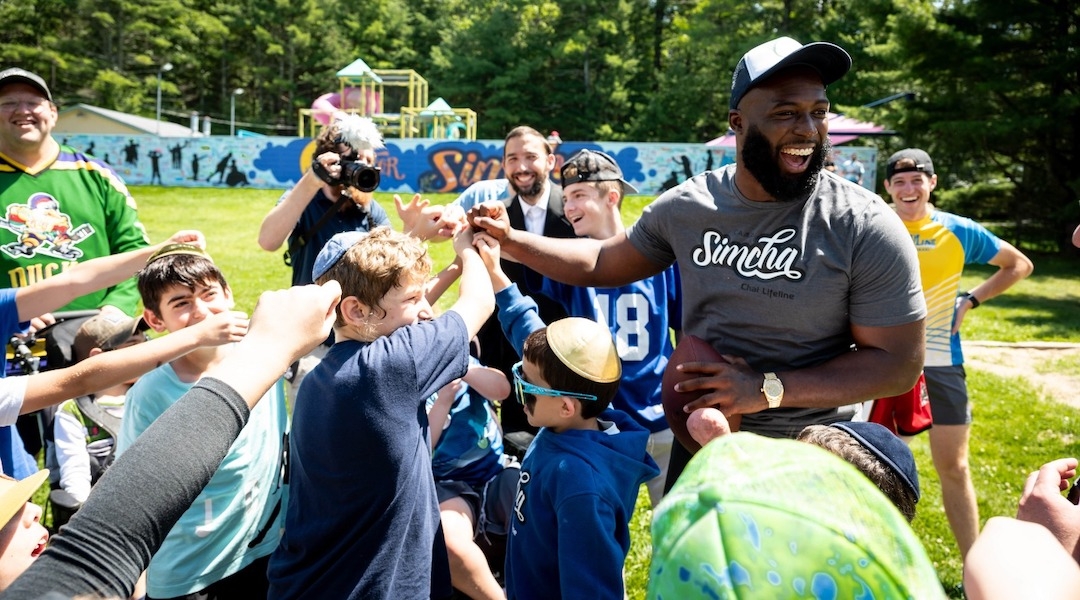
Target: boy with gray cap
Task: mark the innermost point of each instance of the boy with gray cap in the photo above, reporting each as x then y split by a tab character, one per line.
83	443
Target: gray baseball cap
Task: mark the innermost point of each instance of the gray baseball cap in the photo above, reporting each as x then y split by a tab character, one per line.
17	75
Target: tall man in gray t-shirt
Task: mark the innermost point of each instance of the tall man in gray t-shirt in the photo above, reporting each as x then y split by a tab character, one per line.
807	283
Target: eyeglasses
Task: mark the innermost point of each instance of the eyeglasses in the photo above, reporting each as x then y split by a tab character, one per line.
8	106
524	388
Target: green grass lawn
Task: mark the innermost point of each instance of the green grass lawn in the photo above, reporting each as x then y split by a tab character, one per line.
1015	431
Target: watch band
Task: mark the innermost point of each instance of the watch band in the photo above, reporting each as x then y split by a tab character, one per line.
971	297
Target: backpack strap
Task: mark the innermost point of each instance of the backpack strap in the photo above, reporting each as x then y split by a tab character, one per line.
301	240
93	411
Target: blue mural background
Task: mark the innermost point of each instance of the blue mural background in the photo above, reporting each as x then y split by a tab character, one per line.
424	165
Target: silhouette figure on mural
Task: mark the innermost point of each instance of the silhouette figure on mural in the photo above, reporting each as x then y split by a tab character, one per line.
220	170
155	166
90	149
687	168
670	182
195	167
131	153
709	161
177	153
235	177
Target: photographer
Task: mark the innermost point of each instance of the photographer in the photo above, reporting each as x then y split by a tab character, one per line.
333	196
325	202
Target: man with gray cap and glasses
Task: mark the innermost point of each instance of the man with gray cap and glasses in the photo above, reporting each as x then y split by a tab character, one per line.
805	282
58	207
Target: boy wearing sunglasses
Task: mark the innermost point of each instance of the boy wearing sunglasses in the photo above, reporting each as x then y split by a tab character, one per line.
580	477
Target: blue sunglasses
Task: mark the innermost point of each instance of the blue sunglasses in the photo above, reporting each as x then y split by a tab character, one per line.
524	388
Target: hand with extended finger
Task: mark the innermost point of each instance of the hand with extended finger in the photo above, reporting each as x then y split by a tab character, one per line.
1043	503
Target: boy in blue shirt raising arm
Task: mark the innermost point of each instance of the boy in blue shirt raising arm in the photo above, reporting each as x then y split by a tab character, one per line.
363	514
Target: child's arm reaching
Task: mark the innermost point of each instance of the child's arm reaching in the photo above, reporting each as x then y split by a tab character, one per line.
484	381
488	382
50	294
518	314
442	282
440	410
475	301
488	247
124	364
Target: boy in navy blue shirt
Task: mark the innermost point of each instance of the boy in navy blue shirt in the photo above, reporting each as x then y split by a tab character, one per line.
363	515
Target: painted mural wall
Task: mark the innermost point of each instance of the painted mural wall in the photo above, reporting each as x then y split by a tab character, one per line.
409	165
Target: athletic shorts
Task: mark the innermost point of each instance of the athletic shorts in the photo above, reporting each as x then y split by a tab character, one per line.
491	504
947	388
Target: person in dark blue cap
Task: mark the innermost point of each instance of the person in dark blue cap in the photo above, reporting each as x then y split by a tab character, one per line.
874	450
884	458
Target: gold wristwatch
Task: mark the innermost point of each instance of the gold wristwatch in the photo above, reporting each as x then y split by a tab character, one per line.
773	390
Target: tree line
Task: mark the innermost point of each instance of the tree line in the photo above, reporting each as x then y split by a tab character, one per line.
991	88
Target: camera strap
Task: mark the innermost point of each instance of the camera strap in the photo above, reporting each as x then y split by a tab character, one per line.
302	240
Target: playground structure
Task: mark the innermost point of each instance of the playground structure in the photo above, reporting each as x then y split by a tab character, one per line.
395	99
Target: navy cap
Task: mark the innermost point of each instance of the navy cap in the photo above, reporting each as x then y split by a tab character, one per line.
17	75
760	63
334	250
885	445
915	160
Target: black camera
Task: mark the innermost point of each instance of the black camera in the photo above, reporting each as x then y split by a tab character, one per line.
359	174
354	173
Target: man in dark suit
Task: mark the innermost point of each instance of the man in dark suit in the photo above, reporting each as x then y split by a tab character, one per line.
537	207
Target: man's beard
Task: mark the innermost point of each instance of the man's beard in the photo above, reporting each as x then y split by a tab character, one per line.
533	190
763	162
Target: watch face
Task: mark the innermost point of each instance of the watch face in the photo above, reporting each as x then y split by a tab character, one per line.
773	387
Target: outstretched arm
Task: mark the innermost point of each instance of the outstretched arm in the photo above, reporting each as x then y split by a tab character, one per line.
578	261
475	301
1014	559
51	293
1043	503
107	369
109	542
280	221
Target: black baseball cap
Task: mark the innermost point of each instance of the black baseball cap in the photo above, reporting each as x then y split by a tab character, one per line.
17	75
890	449
593	165
916	160
763	61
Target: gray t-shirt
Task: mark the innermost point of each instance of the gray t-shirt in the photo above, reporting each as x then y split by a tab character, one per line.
780	283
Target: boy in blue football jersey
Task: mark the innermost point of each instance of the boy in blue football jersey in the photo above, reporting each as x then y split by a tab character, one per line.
640	315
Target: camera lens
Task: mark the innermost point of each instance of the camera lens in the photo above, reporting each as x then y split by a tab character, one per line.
360	175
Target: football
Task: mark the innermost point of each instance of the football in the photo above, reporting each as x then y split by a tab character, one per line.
690	349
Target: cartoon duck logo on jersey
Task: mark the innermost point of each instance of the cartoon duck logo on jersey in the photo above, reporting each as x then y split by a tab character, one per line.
42	229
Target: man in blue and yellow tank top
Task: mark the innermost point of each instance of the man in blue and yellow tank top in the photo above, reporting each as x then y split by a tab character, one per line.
945	243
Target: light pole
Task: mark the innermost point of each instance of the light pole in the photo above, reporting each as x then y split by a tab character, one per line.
232	111
165	67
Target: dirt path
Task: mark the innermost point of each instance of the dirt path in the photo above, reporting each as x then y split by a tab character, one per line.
1034	361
